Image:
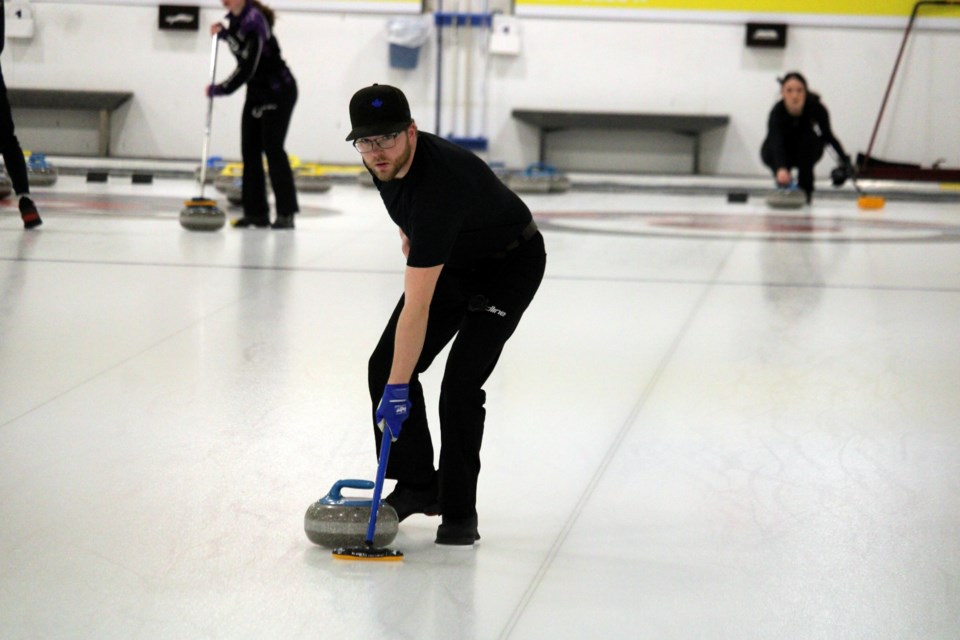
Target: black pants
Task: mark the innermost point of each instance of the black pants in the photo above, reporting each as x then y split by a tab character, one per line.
804	149
9	145
479	310
263	130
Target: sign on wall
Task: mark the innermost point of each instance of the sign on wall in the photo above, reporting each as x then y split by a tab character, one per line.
812	12
179	18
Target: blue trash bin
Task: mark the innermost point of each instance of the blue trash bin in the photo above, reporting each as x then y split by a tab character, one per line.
402	57
406	36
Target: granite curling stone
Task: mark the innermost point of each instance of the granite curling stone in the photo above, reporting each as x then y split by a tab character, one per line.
787	198
335	521
200	214
40	172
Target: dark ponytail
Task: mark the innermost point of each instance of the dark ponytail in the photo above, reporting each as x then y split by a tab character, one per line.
265	10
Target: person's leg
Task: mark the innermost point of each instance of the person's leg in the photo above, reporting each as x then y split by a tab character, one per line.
411	456
809	152
256	211
14	163
766	156
503	296
276	123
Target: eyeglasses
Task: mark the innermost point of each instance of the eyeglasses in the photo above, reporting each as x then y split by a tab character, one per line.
365	145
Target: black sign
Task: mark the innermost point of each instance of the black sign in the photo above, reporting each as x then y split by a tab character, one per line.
179	18
766	35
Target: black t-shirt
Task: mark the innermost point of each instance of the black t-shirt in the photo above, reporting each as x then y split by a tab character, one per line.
453	208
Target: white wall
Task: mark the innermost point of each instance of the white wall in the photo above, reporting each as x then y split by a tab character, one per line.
642	66
564	64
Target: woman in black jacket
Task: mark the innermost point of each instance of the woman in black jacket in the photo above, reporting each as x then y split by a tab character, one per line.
797	130
271	95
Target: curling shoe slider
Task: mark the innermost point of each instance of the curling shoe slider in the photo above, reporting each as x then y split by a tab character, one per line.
407	499
246	223
284	221
29	213
458	531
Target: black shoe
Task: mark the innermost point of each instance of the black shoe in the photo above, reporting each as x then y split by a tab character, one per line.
458	531
246	223
407	500
29	213
283	222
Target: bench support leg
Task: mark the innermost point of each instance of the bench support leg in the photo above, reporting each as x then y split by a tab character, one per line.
104	147
695	137
543	131
696	154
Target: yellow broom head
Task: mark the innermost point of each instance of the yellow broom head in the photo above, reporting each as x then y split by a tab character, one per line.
871	202
368	553
199	202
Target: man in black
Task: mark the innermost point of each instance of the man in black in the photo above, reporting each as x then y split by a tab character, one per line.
10	148
474	260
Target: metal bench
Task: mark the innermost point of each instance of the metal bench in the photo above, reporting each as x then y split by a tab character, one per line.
691	126
104	102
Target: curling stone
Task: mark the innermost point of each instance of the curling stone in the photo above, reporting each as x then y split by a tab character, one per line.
787	198
229	173
222	183
6	186
334	521
500	170
214	165
538	178
234	192
230	183
200	214
560	184
39	171
365	178
311	178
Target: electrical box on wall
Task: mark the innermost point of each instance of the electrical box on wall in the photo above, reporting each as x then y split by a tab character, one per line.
18	19
763	34
505	35
179	18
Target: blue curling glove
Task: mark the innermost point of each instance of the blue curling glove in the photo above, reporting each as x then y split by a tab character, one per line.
394	409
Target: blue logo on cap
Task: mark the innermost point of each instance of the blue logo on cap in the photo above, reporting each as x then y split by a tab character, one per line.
377	103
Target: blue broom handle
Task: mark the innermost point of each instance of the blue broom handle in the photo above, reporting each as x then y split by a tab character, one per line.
385	442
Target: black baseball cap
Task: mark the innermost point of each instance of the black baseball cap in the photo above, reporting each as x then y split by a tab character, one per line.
377	110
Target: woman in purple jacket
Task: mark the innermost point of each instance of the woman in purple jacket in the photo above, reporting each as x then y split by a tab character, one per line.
271	95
